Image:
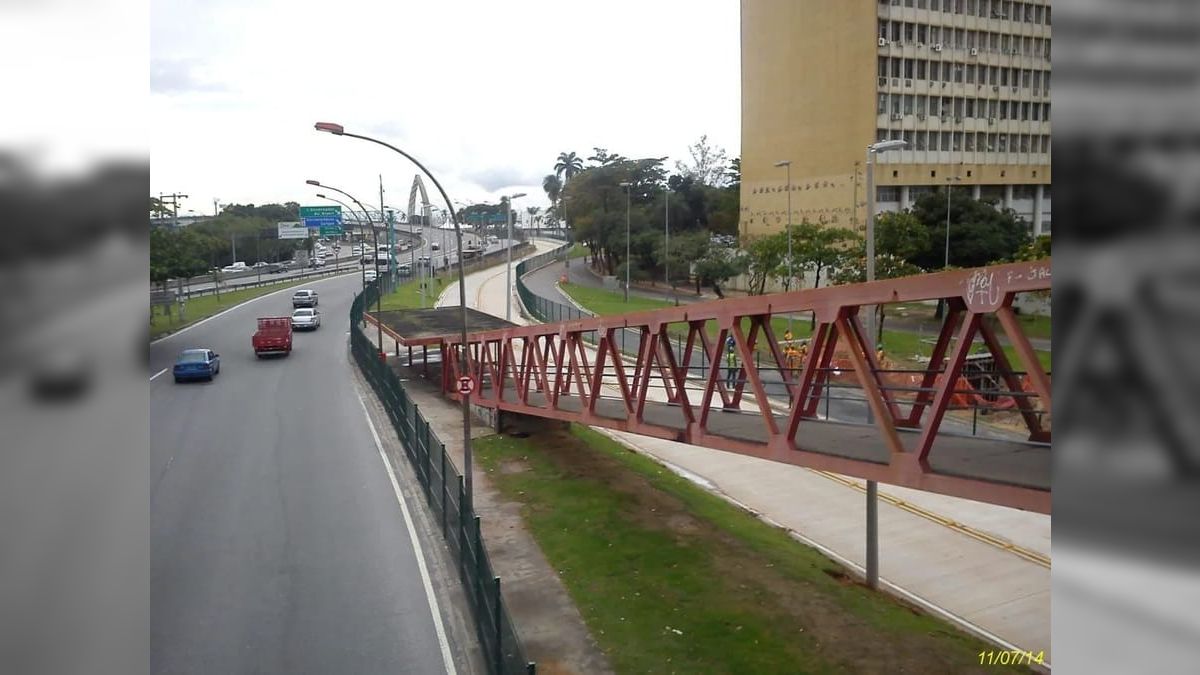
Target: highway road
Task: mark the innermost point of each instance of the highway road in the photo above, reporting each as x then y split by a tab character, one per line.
277	541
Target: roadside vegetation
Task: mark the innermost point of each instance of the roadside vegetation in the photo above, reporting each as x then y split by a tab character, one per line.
671	578
202	307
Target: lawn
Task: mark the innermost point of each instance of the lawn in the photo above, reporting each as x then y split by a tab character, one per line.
408	294
578	251
670	578
901	346
204	306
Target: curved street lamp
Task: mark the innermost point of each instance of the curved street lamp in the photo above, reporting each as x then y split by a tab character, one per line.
507	201
374	256
339	130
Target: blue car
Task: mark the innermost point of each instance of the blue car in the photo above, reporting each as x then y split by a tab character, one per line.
197	364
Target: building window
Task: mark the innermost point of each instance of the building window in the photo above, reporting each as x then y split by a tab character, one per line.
971	73
958	109
1025	78
922	33
882	66
991	142
896	65
882	104
958	72
935	70
909	35
1024	142
1046	149
945	140
921	139
921	69
921	105
969	108
908	138
908	68
1003	147
908	104
969	143
887	193
880	135
897	99
991	109
958	141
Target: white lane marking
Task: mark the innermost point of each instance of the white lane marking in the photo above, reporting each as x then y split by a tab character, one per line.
261	297
157	374
412	534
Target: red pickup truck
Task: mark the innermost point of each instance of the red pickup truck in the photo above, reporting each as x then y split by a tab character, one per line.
274	336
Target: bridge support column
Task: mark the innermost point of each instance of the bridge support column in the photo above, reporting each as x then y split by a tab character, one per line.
872	534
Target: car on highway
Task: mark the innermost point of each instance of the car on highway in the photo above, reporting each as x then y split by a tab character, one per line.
316	262
276	268
404	268
369	275
260	264
434	247
196	364
305	297
306	319
423	260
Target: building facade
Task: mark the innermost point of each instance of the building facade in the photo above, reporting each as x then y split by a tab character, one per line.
965	82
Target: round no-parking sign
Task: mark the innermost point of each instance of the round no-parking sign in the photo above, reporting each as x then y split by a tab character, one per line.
466	385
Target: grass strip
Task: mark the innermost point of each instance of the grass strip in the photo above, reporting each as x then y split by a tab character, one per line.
204	306
671	578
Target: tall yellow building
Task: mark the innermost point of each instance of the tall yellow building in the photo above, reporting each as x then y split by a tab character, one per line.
965	82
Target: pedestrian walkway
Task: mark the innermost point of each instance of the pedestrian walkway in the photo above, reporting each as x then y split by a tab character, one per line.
983	566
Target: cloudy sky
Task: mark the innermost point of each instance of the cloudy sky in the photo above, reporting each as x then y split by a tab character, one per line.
485	93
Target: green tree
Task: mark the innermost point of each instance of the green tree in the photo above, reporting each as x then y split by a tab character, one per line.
765	257
709	165
567	166
979	232
901	234
819	247
716	266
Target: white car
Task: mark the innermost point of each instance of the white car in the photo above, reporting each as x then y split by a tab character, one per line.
306	319
369	276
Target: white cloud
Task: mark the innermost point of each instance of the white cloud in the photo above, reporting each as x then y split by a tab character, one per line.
486	94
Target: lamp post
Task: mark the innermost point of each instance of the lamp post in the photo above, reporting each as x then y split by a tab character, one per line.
339	130
787	164
667	241
872	486
628	189
374	256
344	205
507	201
946	264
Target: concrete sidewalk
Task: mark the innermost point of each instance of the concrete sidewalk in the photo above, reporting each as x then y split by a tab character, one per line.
948	555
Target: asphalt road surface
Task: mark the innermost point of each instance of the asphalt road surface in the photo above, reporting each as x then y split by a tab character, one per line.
277	543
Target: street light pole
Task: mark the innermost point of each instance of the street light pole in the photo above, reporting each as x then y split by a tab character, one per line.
507	201
375	257
667	241
628	189
872	486
339	130
787	164
946	264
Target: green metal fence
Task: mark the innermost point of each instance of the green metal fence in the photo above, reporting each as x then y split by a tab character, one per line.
444	491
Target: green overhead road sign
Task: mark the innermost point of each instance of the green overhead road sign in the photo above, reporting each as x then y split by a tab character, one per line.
328	230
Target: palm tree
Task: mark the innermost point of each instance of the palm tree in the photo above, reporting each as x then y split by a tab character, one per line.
567	166
553	187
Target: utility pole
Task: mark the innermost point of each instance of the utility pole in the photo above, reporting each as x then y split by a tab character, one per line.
173	200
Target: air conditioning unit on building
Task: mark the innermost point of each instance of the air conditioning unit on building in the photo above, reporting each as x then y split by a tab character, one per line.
995	87
957	120
991	121
908	83
883	81
937	47
946	118
883	42
920	116
1014	90
896	117
974	51
920	45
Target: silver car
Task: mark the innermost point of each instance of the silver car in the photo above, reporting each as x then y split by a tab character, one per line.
305	298
306	319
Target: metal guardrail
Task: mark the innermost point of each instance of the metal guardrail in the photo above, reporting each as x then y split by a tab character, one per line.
445	496
266	281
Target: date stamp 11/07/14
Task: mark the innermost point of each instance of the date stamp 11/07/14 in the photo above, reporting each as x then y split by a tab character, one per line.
1014	657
